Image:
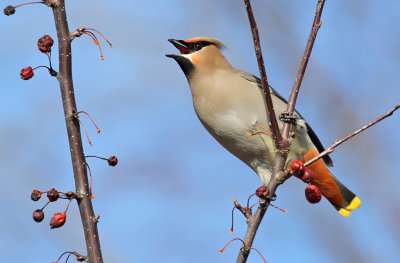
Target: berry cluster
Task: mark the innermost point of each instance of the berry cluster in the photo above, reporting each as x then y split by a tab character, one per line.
312	192
44	45
58	219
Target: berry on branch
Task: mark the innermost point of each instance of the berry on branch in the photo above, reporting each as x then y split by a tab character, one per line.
38	215
58	220
26	73
262	192
53	195
36	195
9	10
313	194
45	43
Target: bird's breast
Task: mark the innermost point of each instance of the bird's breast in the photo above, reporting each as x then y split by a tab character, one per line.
232	124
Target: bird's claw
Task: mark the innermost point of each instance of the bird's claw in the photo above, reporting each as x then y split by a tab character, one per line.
285	117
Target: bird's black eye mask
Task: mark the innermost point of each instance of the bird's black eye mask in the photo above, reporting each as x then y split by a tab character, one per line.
197	46
189	47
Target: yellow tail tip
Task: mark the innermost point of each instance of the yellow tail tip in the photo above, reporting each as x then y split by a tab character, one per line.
354	204
344	212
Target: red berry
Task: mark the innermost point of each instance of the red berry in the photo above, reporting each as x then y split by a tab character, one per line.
53	195
112	161
45	43
26	73
38	215
262	192
297	167
9	10
58	220
308	175
313	194
36	195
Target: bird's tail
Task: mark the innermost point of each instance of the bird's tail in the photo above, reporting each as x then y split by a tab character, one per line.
350	200
337	194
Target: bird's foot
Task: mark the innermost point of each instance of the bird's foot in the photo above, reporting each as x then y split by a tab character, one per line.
285	117
273	198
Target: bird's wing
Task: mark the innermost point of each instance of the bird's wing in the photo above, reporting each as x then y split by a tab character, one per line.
315	140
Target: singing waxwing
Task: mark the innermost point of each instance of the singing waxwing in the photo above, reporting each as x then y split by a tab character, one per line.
230	103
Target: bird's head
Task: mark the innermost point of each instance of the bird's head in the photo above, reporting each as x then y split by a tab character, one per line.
197	53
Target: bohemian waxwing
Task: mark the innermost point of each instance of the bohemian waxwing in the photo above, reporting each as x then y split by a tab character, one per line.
230	103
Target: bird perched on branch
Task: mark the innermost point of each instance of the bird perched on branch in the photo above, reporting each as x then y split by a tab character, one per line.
230	103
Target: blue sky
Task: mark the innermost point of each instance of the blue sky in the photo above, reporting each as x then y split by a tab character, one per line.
170	197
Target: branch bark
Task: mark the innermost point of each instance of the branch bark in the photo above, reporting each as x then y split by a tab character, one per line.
74	136
282	142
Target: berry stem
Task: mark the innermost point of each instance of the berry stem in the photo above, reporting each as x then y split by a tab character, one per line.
230	241
94	156
41	67
101	35
83	126
28	4
90	183
66	209
96	42
48	54
231	231
248	200
84	112
45	205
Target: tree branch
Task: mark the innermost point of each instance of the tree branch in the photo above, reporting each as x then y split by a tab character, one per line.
331	148
304	62
271	111
282	143
74	136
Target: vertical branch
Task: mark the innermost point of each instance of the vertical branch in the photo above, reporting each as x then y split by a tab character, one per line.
271	111
74	136
300	74
282	143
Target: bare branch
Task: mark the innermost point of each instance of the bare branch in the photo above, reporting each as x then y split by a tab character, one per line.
74	136
282	142
331	148
302	69
271	112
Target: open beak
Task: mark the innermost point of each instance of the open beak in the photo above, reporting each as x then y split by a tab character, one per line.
181	45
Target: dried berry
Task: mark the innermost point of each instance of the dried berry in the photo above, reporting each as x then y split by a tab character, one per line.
26	73
58	220
9	10
313	194
297	167
36	195
45	43
112	161
53	195
308	175
38	215
70	194
262	192
81	258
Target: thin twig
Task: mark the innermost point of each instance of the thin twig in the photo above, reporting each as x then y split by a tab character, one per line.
74	135
331	148
282	143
